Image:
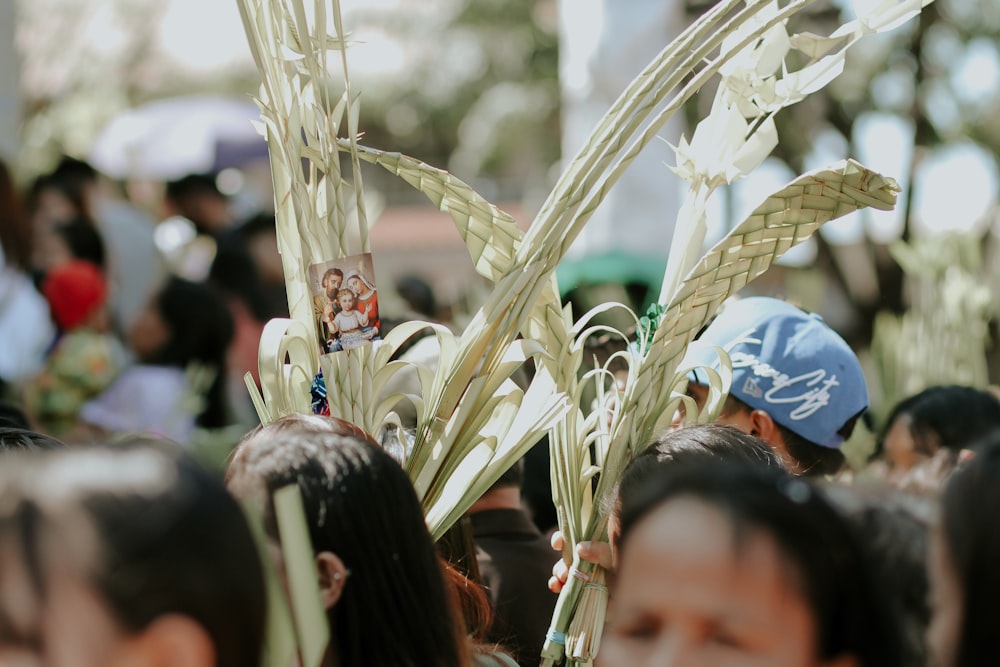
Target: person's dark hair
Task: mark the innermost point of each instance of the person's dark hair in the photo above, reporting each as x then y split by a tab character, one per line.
192	185
74	168
201	329
21	439
814	460
190	195
894	526
706	442
234	272
948	416
973	545
829	560
418	293
395	608
331	272
83	240
73	179
13	415
15	228
513	476
164	537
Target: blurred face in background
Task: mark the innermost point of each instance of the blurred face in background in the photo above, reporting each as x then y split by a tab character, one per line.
149	333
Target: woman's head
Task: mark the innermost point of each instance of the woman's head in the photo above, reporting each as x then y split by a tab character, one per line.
381	581
112	555
186	323
965	581
723	564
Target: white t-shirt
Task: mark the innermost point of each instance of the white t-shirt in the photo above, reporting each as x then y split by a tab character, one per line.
349	320
26	328
144	399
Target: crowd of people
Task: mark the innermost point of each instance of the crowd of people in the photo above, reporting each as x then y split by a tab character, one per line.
106	321
741	542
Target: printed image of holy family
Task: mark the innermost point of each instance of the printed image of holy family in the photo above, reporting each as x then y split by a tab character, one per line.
345	302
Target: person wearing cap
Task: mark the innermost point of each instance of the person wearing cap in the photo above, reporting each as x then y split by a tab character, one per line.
85	357
796	383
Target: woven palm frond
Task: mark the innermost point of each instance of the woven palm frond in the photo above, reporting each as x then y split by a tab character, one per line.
490	234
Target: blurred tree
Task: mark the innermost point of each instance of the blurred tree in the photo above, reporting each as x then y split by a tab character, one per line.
480	96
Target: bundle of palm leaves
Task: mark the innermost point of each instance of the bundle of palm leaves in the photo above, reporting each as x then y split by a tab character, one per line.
473	421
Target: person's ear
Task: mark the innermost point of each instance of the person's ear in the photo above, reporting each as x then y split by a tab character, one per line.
175	640
332	577
765	428
762	426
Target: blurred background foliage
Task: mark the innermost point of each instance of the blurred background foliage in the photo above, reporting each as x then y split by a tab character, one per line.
472	86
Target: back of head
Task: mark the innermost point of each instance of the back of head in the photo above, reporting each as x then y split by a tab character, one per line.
972	542
830	564
199	320
192	186
201	330
707	442
152	534
21	439
73	169
714	442
198	198
361	506
234	272
418	294
83	241
12	415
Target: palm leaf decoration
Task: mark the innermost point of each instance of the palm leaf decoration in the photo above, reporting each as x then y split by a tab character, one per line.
473	422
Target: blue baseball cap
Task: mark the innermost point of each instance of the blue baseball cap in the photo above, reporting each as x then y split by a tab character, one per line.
789	364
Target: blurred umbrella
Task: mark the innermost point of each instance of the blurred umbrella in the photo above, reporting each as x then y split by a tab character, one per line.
170	138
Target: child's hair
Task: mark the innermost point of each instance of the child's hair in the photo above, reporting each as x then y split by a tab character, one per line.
152	534
346	292
201	329
74	291
821	549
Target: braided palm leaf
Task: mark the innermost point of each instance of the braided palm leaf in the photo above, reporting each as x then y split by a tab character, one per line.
490	234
